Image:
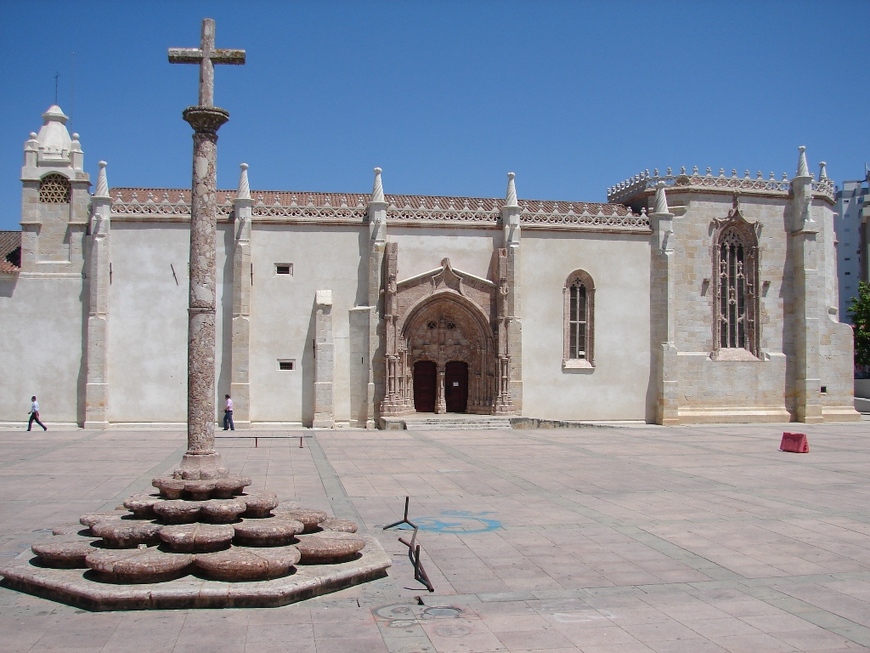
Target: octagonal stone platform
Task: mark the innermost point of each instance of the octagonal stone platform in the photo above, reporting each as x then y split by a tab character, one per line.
80	588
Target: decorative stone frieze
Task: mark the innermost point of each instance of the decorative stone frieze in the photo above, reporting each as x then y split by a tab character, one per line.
326	208
642	183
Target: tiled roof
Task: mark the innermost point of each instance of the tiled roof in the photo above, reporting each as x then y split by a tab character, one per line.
10	252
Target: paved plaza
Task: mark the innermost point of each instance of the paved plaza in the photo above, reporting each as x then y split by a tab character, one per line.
602	539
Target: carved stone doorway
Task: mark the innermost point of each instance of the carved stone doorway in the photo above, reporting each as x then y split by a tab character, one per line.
456	386
425	381
449	319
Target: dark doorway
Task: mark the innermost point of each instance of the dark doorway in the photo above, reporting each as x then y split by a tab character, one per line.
456	386
425	378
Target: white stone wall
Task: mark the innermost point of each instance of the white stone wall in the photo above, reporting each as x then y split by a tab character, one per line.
422	249
618	388
282	314
147	330
147	323
41	322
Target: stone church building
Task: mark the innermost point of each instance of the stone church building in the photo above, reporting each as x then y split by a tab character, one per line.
690	297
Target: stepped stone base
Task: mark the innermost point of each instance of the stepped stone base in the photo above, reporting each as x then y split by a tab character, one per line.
79	587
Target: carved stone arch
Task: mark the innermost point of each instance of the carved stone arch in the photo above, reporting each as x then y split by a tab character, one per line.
447	328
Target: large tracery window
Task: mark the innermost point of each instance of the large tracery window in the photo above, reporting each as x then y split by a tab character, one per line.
736	278
579	300
54	189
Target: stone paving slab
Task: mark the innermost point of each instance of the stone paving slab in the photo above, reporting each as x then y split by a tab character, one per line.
626	538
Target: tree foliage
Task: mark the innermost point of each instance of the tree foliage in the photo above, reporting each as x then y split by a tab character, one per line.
859	309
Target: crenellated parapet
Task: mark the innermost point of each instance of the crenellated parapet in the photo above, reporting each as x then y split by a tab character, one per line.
644	182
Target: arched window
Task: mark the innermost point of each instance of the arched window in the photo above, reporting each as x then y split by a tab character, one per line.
578	321
736	278
54	189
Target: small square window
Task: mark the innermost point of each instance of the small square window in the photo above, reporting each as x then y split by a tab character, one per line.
284	268
286	365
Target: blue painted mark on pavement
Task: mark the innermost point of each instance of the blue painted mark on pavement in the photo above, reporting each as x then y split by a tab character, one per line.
458	521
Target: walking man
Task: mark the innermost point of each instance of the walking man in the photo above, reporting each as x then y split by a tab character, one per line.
34	414
228	415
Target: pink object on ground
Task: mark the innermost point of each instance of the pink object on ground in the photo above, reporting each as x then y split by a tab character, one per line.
795	443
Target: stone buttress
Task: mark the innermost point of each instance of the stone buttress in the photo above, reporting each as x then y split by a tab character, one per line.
240	366
99	278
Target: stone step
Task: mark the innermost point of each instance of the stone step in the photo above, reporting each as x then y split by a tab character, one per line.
447	423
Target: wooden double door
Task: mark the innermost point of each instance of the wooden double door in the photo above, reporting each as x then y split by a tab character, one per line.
426	388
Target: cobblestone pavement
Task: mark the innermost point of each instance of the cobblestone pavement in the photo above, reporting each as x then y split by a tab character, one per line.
603	539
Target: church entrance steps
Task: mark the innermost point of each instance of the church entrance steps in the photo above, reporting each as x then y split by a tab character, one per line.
445	422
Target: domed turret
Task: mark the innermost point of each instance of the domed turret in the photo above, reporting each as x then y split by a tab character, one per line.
53	138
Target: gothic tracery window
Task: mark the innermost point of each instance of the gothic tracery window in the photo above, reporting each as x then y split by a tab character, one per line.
54	189
578	321
736	278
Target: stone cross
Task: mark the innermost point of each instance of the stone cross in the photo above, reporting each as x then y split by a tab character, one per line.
201	459
206	56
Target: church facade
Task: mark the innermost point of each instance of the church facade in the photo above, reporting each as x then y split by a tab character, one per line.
690	297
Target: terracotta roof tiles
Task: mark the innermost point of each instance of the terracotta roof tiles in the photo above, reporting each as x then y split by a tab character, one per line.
10	252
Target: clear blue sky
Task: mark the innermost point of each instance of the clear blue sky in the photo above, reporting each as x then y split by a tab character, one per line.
446	97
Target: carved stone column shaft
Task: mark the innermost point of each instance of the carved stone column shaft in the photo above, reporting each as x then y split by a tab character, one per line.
202	293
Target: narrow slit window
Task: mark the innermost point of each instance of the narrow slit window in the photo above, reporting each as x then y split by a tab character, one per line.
286	365
284	269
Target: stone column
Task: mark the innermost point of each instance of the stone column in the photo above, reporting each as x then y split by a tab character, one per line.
509	398
392	403
440	402
324	361
201	300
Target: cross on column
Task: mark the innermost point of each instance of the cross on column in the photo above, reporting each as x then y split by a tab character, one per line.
206	56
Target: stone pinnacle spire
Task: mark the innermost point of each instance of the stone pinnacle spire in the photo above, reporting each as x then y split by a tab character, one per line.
244	192
803	170
661	199
378	188
102	182
511	197
823	170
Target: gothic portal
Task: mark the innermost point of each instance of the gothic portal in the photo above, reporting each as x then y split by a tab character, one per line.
442	342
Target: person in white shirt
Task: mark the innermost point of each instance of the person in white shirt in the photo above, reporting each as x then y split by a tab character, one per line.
34	414
228	415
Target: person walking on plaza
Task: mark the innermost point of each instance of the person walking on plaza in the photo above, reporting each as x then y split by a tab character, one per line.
228	415
34	414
